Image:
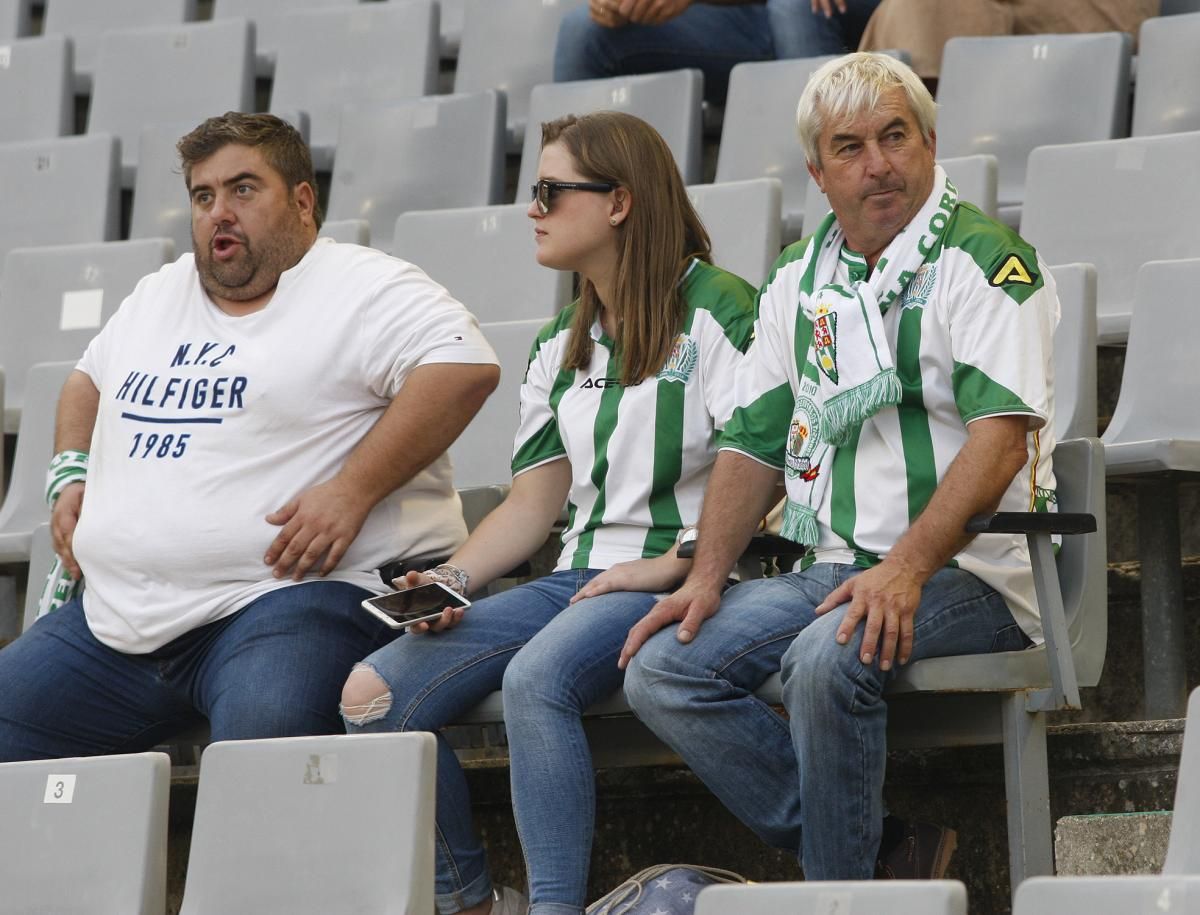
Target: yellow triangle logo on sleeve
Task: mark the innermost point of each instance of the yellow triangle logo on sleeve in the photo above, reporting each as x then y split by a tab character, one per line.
1013	270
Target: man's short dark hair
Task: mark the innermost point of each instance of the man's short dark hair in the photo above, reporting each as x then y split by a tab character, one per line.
280	143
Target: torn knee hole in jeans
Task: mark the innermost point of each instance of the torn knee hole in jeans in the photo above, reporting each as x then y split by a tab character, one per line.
375	708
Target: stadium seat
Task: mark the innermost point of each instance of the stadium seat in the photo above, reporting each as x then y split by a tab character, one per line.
16	20
509	45
314	825
670	101
24	506
36	100
451	27
83	21
59	191
1075	352
169	74
84	835
365	54
41	558
161	208
742	219
418	154
482	455
758	138
266	16
1006	94
54	299
896	897
486	258
1166	97
1115	204
352	231
1154	440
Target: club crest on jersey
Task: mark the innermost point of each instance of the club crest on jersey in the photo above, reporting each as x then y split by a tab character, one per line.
682	361
802	441
920	289
825	342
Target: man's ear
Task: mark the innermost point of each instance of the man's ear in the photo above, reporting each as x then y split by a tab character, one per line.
306	202
621	205
816	173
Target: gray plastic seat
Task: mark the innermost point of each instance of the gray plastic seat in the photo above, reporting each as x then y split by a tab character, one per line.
1107	895
84	835
84	21
350	231
896	897
267	16
974	176
54	300
742	219
482	455
314	825
418	154
1115	204
758	138
1166	96
41	558
59	191
161	207
486	257
1183	849
368	54
24	505
16	20
36	100
669	101
509	45
451	26
1154	440
169	74
1075	352
1007	94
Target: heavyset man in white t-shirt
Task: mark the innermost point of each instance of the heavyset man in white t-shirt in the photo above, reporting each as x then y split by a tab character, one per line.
900	382
258	429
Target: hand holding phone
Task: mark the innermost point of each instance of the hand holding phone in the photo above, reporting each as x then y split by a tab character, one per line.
413	606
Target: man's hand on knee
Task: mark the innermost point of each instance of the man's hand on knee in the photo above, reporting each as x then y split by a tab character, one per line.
690	606
652	12
320	522
886	597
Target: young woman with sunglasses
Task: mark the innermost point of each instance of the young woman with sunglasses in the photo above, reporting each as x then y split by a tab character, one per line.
620	410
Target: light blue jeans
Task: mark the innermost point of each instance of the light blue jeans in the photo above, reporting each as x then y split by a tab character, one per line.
553	661
811	783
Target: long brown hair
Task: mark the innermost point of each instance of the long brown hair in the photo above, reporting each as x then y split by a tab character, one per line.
656	241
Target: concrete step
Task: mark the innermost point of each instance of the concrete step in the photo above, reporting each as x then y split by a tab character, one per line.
1112	843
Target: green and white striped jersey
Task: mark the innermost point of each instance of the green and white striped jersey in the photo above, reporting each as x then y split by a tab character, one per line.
641	455
972	338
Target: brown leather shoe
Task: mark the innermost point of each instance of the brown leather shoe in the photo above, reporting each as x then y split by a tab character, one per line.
914	851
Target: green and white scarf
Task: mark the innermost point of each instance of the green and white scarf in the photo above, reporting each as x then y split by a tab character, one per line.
849	373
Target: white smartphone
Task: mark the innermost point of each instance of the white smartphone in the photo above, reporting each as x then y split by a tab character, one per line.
421	604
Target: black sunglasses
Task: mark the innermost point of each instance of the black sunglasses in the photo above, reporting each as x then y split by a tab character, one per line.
543	192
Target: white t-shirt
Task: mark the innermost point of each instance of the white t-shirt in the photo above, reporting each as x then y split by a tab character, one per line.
207	423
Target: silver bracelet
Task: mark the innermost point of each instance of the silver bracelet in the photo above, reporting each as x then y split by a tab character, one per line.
452	577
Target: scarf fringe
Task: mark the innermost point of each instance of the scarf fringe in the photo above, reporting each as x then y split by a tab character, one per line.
799	524
845	411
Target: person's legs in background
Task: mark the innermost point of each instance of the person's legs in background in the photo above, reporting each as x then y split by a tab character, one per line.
799	32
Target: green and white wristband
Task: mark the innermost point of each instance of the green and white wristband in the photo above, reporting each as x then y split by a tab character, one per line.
67	467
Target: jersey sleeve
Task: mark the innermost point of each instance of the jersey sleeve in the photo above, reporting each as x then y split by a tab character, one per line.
539	439
728	333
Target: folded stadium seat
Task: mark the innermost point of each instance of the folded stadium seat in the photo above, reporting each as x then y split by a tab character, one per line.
896	897
486	257
742	219
169	74
41	559
418	154
59	191
16	20
1115	204
451	27
1006	94
24	505
369	54
974	176
266	16
482	455
1154	441
1075	352
352	231
36	100
669	101
54	299
83	21
509	45
1166	96
85	835
314	825
758	139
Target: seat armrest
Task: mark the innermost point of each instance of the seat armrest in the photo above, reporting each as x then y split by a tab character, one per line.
1032	523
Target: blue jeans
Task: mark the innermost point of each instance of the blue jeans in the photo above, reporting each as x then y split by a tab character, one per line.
707	37
553	660
273	669
813	782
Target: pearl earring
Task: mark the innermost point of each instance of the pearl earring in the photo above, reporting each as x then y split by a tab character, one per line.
612	221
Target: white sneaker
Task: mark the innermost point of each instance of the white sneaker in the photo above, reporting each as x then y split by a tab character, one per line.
507	901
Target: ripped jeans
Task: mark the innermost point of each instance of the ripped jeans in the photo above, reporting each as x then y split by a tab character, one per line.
554	659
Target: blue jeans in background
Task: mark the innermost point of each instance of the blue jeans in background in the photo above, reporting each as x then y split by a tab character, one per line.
553	660
811	783
275	668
